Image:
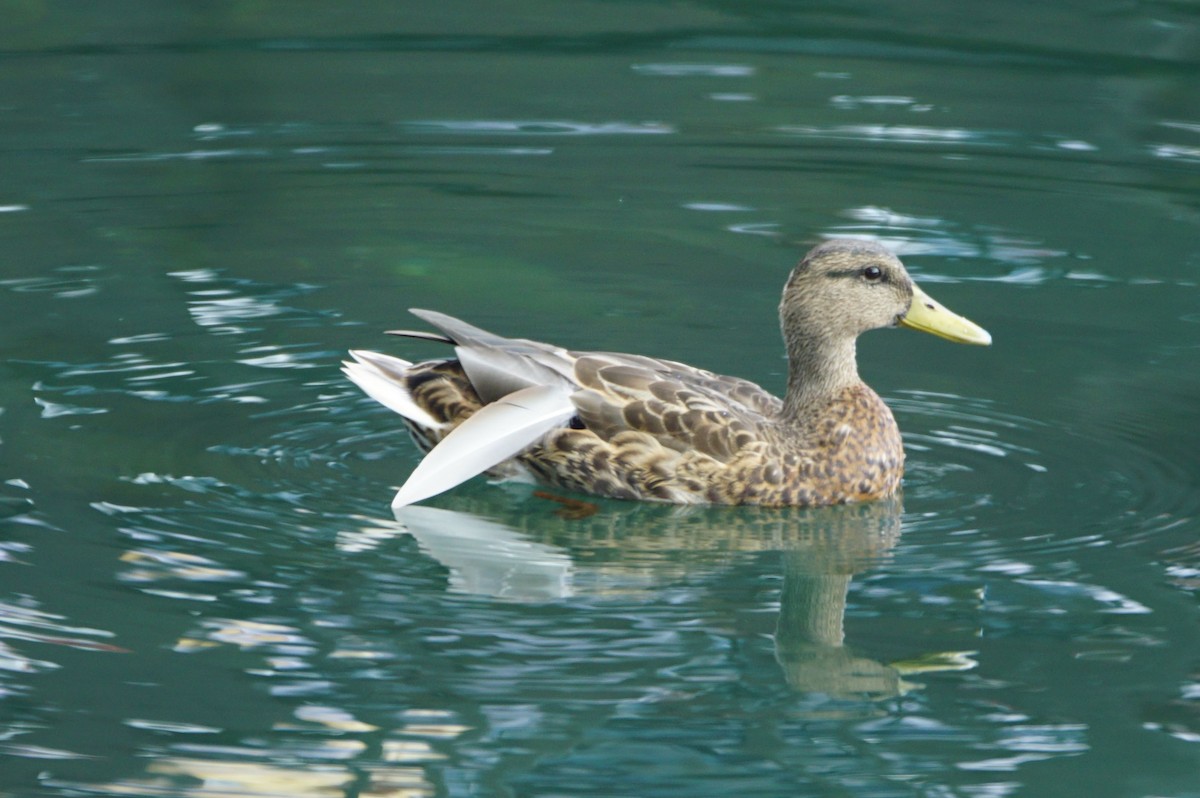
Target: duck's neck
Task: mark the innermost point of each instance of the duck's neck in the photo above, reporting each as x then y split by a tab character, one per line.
818	370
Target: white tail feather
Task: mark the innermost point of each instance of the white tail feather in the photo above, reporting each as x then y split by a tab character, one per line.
370	372
493	434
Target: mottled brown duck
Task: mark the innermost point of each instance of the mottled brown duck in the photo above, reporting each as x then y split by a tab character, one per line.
635	427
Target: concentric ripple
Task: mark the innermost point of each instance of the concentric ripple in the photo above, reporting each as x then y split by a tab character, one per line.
972	466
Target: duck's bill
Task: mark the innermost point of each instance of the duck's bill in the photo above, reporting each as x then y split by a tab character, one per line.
929	315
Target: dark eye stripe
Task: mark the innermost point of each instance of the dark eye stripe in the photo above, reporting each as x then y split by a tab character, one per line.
877	273
845	273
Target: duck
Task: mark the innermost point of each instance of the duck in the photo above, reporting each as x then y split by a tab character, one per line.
627	426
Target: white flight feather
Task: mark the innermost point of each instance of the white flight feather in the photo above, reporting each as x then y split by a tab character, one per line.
491	435
367	373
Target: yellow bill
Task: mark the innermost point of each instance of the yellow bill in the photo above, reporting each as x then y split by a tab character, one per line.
928	315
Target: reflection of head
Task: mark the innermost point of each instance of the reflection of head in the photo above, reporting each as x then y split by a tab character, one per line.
838	672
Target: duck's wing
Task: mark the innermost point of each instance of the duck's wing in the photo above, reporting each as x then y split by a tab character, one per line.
684	408
497	431
524	389
498	366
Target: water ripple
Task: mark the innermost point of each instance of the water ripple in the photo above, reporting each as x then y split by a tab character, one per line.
67	282
959	447
696	70
31	625
907	134
539	127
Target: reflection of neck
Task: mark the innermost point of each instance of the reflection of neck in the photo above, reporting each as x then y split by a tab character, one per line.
812	608
818	369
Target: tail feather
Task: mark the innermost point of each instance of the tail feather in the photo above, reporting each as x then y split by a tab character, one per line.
497	399
458	330
382	377
420	335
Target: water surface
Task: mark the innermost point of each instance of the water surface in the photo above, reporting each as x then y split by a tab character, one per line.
203	592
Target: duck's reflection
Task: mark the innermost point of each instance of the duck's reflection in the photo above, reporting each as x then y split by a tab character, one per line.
817	569
486	557
540	554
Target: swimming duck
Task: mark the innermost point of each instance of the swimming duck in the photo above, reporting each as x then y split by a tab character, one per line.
635	427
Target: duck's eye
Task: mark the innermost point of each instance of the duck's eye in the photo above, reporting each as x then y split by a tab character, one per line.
872	274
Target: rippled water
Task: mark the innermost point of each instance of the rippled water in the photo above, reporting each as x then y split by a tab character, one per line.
203	592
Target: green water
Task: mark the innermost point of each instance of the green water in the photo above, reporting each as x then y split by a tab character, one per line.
203	592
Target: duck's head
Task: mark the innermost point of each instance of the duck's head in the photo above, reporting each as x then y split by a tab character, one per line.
844	287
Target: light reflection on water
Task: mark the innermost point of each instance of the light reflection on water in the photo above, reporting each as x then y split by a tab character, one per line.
200	591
